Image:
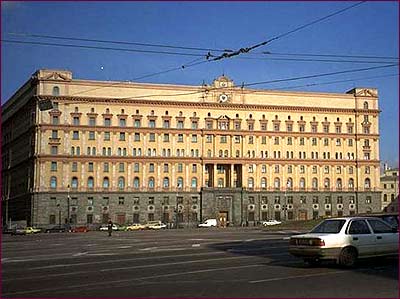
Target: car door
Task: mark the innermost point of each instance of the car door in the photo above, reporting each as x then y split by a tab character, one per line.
361	237
386	238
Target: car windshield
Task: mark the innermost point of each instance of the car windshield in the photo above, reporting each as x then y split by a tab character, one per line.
329	226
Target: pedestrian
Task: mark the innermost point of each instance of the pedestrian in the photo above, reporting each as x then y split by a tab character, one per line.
110	227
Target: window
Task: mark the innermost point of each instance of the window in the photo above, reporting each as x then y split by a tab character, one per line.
90	183
180	167
326	142
380	227
194	125
90	166
122	136
54	134
121	167
74	183
151	183
56	91
358	227
301	141
54	150
194	183
121	183
315	184
106	183
368	200
107	122
75	121
166	182
223	139
194	138
314	141
53	182
194	168
263	183
75	135
251	139
53	166
166	138
74	167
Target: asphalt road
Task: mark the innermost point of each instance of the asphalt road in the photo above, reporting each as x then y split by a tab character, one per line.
212	263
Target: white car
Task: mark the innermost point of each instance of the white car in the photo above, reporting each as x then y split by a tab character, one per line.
271	222
346	239
209	223
157	226
104	227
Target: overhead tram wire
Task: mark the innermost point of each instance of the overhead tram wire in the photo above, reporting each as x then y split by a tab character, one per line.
102	48
312	60
117	42
326	55
337	81
248	49
262	82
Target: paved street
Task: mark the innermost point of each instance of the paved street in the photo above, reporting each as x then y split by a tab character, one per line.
185	263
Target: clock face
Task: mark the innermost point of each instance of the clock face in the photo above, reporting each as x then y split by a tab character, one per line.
223	84
223	98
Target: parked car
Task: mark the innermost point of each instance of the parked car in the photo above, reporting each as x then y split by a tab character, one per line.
80	229
135	226
209	223
346	239
58	229
104	227
271	222
157	226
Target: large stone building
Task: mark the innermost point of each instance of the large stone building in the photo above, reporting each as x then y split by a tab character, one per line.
135	152
390	190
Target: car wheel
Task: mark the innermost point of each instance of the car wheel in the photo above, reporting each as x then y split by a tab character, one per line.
348	257
313	262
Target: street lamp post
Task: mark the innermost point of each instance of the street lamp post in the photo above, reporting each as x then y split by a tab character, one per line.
68	202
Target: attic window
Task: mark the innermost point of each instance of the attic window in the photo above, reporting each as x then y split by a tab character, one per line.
56	91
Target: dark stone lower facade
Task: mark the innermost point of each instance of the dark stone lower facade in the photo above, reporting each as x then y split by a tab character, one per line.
231	206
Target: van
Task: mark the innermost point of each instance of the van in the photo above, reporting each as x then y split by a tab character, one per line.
209	223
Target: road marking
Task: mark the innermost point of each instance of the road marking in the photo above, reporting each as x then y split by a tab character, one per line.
123	247
80	254
195	245
71	287
296	276
175	263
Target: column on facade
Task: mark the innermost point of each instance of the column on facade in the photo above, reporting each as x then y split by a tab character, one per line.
214	179
144	181
187	166
203	175
129	176
158	176
232	176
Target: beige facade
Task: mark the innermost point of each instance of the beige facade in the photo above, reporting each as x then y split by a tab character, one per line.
136	152
390	190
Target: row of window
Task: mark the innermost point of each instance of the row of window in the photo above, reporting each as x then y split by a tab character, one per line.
194	183
194	138
121	183
220	168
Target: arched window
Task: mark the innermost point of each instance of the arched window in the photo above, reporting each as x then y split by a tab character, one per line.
277	183
194	182
226	153
365	105
220	183
53	182
220	153
166	182
136	183
263	183
74	183
93	151
289	184
367	183
302	183
121	183
339	184
106	183
151	183
250	183
327	183
385	197
180	183
56	91
351	184
315	183
90	182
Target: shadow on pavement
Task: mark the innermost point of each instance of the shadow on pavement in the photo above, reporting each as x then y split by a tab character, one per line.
276	251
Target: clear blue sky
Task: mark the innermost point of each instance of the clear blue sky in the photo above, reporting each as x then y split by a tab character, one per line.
369	29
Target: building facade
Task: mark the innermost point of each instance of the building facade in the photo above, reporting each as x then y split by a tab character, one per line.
136	152
390	190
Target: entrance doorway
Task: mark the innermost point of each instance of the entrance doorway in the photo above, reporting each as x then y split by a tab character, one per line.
121	219
223	218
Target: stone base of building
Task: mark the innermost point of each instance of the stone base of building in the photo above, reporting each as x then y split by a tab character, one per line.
230	206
